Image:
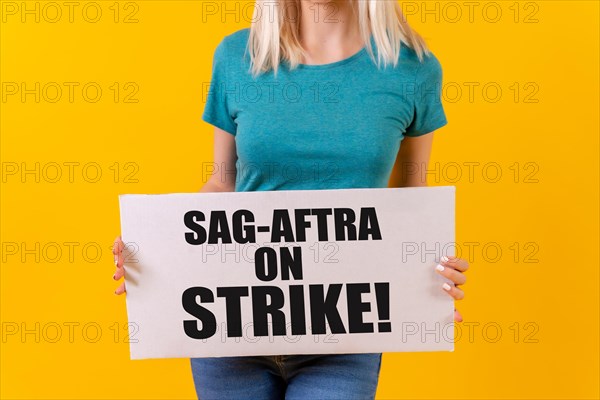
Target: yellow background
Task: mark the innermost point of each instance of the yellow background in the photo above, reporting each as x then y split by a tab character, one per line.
550	208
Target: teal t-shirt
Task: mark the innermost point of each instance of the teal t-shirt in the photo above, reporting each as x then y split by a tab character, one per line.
330	126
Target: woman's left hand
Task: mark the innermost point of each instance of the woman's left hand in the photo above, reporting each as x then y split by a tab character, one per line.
453	268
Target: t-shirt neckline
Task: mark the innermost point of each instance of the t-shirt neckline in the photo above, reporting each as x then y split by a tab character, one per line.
338	63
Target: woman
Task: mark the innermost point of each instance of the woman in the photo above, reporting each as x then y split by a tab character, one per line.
318	95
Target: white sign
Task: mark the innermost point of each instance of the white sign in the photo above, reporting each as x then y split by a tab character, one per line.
288	272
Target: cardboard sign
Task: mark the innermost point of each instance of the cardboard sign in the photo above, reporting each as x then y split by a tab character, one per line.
288	272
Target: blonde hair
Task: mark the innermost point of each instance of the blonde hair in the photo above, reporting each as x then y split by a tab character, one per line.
274	37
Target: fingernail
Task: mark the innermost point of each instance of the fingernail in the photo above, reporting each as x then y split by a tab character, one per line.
444	259
116	262
115	277
115	292
446	286
439	267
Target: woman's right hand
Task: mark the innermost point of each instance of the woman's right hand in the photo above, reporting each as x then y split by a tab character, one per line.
118	247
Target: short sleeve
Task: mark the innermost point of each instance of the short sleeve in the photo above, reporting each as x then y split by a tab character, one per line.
429	112
216	109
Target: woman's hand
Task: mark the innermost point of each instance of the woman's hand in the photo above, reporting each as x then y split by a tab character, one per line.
452	268
118	247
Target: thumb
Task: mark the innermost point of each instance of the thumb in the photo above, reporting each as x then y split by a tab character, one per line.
457	316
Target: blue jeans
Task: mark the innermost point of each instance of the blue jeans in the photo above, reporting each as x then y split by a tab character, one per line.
291	377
